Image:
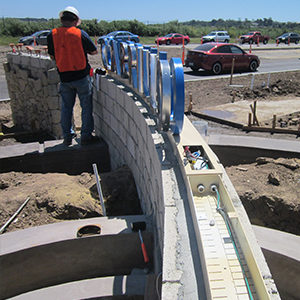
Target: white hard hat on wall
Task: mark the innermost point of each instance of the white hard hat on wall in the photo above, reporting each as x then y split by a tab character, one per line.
74	11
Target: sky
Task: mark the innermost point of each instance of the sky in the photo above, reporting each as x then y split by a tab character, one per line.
157	11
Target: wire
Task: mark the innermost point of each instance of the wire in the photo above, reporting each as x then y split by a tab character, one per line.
229	229
156	284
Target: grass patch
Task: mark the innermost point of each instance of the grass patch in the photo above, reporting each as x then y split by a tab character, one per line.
6	40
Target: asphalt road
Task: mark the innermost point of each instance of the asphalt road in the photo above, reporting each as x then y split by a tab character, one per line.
266	66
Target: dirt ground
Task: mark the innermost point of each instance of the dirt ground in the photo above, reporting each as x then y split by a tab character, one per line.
268	188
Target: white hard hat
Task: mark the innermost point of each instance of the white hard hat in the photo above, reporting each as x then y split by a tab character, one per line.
72	10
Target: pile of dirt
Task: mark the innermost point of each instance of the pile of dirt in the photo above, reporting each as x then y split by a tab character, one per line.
290	121
269	190
56	197
279	88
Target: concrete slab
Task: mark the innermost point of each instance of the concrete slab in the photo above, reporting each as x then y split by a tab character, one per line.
53	156
254	142
238	112
67	230
282	253
18	150
90	289
272	240
71	260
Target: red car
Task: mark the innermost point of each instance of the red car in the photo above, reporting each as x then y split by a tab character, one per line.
254	37
173	38
218	57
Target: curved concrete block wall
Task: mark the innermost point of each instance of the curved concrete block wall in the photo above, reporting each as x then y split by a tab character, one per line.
130	130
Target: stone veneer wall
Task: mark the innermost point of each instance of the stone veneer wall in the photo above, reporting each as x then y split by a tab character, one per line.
32	82
125	122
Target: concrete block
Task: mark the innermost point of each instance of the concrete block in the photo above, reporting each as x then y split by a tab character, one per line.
109	102
52	90
105	130
23	74
53	77
128	157
106	116
6	67
45	91
131	146
37	85
117	111
97	108
113	138
122	133
16	59
138	158
53	102
139	140
21	85
25	60
47	63
9	57
132	129
147	161
57	131
43	78
112	88
104	85
120	97
35	62
55	114
126	121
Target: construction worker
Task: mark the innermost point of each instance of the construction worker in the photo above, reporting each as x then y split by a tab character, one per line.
69	46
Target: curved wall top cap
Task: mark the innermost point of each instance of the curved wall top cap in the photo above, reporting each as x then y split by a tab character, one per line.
72	10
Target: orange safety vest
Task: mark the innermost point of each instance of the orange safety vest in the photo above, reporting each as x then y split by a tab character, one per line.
68	49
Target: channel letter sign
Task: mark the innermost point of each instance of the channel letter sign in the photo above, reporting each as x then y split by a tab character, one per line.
151	75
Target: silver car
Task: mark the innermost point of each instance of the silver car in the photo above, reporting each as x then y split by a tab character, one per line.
216	36
40	38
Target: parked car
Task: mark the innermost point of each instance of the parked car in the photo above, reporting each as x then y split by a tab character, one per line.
254	37
216	36
291	37
121	36
39	36
173	38
218	57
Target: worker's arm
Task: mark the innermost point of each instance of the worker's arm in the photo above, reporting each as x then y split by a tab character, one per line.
88	45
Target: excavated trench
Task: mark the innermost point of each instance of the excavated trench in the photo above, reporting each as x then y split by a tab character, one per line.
267	182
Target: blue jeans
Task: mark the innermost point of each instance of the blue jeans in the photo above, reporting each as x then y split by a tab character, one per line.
68	91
